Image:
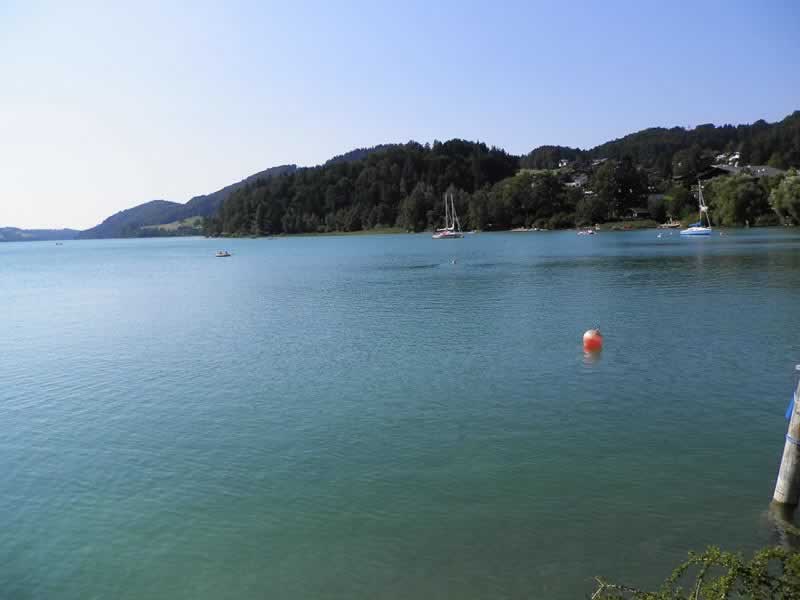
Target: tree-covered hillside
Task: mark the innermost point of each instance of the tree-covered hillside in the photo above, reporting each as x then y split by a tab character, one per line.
137	221
358	154
402	185
665	152
399	185
660	149
127	222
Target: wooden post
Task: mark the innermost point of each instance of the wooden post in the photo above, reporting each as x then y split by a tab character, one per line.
787	488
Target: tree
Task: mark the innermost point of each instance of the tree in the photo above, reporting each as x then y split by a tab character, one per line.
736	200
631	186
591	209
259	222
478	210
689	163
657	207
678	202
785	198
604	186
413	209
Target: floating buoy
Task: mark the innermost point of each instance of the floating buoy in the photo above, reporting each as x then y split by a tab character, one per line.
592	340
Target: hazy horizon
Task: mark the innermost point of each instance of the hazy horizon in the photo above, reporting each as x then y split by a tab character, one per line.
108	107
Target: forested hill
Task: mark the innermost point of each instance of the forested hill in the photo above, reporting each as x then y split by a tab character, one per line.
358	154
398	185
650	171
208	204
135	221
658	148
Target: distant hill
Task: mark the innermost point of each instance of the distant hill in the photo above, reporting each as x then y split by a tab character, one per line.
358	154
127	223
549	157
552	187
208	205
776	144
14	234
137	221
661	149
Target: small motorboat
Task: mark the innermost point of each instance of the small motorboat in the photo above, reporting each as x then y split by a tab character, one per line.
586	232
222	253
670	224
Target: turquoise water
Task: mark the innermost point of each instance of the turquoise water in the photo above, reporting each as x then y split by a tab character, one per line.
360	417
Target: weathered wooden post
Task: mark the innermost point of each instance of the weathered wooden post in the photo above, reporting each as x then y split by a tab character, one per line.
787	488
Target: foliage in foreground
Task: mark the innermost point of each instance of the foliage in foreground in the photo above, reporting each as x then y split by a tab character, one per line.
772	574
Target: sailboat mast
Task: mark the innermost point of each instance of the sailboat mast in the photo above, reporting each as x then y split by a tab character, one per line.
703	207
451	222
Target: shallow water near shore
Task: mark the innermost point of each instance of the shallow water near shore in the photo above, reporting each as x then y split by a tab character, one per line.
388	416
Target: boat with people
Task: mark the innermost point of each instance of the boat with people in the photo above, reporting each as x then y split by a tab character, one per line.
585	231
452	226
222	254
698	229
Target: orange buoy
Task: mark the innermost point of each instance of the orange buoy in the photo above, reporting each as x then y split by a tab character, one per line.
592	340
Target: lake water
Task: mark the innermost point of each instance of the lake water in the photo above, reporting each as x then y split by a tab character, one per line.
360	417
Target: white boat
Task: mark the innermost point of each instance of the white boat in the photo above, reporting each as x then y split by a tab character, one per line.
586	232
698	228
222	254
452	226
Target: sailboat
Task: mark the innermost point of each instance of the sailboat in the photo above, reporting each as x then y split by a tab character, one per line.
452	226
698	228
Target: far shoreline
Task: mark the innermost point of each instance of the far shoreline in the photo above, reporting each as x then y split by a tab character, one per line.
609	227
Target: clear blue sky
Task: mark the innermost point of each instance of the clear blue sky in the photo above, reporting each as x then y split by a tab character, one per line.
103	107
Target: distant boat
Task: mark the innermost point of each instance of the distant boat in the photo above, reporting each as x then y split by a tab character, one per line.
222	253
670	224
452	226
585	231
698	228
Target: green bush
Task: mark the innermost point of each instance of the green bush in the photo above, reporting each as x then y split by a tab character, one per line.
772	574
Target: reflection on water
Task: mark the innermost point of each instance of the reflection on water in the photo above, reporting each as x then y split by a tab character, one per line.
593	357
783	520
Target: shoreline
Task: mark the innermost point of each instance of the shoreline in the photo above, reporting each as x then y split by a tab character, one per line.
610	227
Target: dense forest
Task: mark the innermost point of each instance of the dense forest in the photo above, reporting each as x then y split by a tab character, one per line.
551	187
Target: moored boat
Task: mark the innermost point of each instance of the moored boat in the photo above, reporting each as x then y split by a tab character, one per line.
670	224
698	229
452	226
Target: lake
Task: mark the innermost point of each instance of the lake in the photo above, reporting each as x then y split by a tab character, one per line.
388	416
